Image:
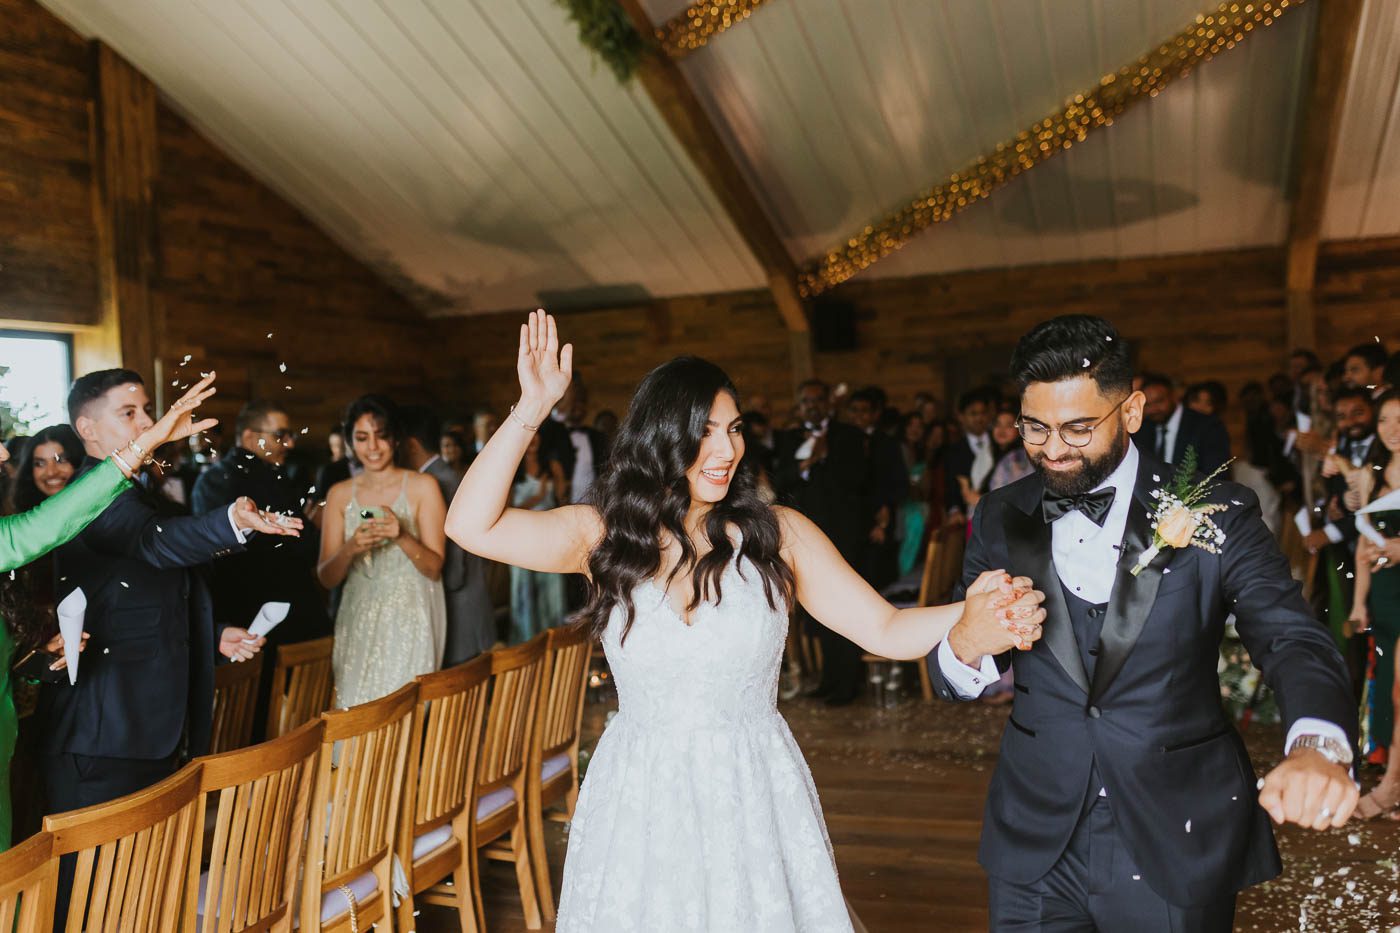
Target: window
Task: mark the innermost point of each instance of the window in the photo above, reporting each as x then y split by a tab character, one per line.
35	371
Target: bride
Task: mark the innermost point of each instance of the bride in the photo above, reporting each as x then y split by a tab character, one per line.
699	812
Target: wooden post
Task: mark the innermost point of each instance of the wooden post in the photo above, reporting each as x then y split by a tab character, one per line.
125	165
693	129
1338	23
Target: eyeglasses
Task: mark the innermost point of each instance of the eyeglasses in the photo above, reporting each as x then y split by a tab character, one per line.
285	434
1073	434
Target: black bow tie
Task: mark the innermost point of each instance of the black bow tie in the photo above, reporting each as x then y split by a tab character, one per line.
1093	505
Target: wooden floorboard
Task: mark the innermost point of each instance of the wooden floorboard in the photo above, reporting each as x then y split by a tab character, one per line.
903	791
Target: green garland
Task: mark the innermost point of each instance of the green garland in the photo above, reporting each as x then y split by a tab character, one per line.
605	29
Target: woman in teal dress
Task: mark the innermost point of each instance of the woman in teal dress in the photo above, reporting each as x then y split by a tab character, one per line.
1376	598
30	535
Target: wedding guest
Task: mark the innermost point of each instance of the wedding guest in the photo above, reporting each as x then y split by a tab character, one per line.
1012	463
267	570
340	467
911	520
606	422
537	600
886	488
484	424
1206	398
383	539
452	448
590	447
968	461
46	465
1376	599
150	684
471	620
822	472
1172	427
28	535
1300	361
1363	367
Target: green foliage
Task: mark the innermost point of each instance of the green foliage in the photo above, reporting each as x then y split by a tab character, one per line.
1184	484
10	421
605	29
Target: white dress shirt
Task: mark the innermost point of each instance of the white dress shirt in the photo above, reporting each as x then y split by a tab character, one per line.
1086	562
982	459
1170	429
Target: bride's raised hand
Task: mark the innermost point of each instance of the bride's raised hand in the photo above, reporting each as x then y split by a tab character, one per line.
544	369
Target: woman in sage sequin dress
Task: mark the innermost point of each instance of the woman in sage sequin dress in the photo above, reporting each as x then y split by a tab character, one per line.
1377	597
384	540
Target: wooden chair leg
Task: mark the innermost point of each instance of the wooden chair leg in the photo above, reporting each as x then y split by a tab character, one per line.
468	906
571	798
474	874
925	684
525	874
539	860
407	923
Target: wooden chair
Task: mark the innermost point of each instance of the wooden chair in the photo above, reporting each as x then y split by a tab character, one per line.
499	797
134	856
28	883
437	835
942	568
261	797
552	773
301	685
235	702
348	883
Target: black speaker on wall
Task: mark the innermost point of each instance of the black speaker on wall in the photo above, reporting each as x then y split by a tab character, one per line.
833	324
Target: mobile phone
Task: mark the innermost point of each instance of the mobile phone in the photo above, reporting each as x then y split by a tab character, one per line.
35	666
371	512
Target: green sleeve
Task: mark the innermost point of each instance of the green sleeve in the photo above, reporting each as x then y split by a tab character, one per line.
59	518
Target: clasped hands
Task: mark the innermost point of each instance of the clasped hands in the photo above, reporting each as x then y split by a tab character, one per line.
1001	613
372	532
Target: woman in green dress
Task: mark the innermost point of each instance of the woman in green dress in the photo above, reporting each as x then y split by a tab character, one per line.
30	535
1376	598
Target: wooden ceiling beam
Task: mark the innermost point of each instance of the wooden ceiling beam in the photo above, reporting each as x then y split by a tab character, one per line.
693	129
1334	48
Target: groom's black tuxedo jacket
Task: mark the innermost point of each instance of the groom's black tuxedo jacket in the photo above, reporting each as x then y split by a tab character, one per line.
1140	714
148	671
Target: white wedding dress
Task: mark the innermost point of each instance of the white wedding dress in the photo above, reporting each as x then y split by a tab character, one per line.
698	811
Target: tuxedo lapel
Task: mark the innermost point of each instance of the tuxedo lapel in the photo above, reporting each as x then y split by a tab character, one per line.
1029	547
1133	596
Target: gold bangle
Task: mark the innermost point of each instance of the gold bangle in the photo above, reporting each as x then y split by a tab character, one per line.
138	450
521	421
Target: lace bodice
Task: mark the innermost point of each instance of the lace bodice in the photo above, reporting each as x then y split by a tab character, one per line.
720	669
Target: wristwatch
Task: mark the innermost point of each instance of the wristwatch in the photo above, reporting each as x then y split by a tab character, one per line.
1334	751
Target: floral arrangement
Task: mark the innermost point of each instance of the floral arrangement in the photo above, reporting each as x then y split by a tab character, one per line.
1181	520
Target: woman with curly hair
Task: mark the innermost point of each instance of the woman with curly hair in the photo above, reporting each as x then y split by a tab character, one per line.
699	812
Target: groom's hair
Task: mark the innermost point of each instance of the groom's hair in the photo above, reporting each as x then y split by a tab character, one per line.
1070	346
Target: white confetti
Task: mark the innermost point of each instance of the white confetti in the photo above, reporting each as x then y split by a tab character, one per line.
1086	363
1343	872
1317	882
1188	826
282	367
1156	478
188	357
160	530
125	584
269	335
304	430
1135	877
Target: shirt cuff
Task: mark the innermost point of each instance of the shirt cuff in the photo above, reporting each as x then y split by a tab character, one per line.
1334	534
237	532
969	682
1309	726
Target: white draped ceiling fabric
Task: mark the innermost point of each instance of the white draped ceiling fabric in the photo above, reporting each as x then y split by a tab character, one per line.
478	157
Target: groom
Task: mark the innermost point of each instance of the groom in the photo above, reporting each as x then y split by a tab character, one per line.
1123	798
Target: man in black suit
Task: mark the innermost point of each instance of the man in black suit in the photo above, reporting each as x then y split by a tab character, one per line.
823	472
968	461
1172	427
886	488
1123	799
270	569
146	681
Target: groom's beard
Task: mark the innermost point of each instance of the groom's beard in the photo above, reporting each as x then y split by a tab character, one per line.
1091	470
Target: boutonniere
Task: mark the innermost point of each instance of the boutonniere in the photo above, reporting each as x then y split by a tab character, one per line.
1181	519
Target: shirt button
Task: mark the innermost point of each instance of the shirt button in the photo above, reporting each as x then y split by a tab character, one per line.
1094	712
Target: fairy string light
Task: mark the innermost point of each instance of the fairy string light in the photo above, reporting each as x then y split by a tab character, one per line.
1210	34
701	22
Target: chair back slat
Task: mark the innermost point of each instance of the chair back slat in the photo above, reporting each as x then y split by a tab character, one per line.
302	685
451	710
359	779
134	856
235	703
28	883
515	679
561	711
262	800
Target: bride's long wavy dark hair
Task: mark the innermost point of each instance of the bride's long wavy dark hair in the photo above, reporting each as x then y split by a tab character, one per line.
644	492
